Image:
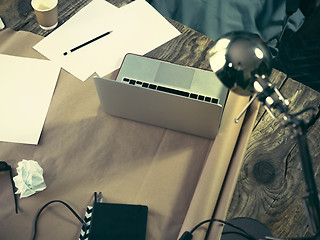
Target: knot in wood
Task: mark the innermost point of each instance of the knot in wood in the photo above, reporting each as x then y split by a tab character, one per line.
264	172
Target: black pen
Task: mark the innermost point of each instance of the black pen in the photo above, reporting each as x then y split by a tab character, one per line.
86	43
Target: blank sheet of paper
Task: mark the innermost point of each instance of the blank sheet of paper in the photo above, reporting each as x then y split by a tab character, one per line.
26	89
90	22
136	28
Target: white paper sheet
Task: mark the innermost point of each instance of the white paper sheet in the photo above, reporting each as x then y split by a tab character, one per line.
136	28
26	89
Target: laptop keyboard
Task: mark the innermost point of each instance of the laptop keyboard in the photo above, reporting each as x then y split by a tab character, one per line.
170	90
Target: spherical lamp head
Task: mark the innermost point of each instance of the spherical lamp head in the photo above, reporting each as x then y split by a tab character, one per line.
238	58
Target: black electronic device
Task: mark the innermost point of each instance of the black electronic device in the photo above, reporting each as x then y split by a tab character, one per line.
118	222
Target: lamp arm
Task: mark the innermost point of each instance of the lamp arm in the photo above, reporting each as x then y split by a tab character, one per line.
272	98
243	63
311	198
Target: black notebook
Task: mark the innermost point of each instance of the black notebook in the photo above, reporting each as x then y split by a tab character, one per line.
118	222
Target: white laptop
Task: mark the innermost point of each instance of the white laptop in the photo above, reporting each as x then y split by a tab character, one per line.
160	93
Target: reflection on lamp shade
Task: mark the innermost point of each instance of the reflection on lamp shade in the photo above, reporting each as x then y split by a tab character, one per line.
238	58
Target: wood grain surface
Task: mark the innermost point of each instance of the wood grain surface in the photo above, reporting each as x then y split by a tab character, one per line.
271	184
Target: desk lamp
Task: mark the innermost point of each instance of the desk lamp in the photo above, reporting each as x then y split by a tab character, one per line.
242	62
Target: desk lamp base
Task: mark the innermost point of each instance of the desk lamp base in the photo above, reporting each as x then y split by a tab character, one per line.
251	226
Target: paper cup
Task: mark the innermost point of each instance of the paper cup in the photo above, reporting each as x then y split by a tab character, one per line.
46	12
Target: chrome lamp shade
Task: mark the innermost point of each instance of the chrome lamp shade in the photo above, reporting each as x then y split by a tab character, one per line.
239	58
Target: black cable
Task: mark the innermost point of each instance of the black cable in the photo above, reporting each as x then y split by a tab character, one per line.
188	235
200	224
13	186
65	204
315	116
305	110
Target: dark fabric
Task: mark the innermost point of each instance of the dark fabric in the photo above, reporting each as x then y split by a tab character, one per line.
216	17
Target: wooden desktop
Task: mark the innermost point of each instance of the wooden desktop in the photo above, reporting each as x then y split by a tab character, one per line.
270	185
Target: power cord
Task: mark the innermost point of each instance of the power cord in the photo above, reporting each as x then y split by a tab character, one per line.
188	235
65	204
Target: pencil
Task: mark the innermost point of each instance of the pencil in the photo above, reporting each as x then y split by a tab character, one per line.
86	43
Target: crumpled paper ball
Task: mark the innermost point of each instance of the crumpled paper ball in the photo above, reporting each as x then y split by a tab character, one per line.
29	179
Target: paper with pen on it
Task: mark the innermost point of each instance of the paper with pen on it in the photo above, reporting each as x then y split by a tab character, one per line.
136	28
29	179
26	89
